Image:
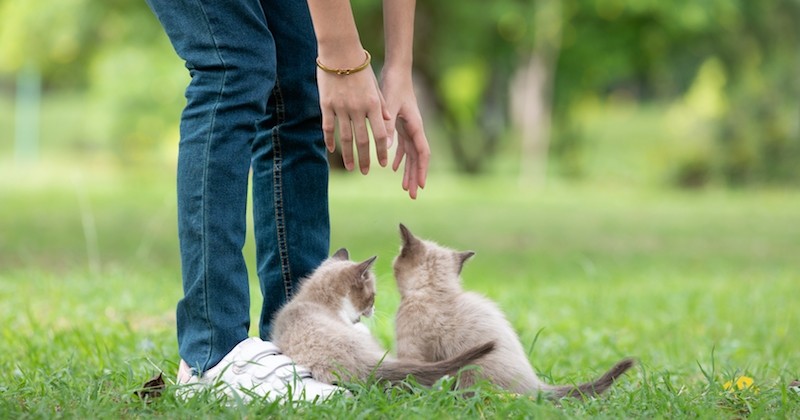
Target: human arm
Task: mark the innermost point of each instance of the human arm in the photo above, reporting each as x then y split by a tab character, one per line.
348	101
398	90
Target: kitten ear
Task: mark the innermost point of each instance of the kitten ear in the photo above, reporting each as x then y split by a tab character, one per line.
341	254
406	235
366	265
462	258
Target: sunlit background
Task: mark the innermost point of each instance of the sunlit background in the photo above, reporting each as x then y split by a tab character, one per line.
682	94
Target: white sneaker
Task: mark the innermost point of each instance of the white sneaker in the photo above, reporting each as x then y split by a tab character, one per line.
255	369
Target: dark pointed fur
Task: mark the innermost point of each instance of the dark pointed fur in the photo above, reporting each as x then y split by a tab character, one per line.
591	389
428	373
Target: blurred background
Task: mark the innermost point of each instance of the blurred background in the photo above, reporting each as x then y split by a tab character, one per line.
679	94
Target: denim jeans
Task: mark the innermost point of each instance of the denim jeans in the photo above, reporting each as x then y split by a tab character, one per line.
252	103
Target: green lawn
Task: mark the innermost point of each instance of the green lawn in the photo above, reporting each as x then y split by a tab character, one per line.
700	287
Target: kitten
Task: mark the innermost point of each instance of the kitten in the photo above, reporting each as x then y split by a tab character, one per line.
319	328
437	319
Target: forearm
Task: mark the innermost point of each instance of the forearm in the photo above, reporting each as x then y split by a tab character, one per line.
337	36
398	22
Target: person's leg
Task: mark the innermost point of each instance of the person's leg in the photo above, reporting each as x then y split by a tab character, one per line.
290	169
230	55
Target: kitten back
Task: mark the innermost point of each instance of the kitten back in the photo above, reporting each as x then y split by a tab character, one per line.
427	373
425	271
595	388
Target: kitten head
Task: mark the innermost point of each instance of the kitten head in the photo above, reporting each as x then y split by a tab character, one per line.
348	285
424	264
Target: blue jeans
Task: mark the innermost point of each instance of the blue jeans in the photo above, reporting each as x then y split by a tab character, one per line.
252	103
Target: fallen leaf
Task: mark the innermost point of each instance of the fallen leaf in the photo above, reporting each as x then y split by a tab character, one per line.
152	388
795	386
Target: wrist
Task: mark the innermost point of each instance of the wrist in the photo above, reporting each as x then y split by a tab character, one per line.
398	63
341	55
345	71
396	73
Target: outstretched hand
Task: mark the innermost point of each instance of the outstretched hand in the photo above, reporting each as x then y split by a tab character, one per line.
403	112
349	101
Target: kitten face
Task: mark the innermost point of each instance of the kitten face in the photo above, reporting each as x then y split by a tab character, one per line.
422	263
356	285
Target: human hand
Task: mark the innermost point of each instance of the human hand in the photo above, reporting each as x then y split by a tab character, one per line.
404	114
349	101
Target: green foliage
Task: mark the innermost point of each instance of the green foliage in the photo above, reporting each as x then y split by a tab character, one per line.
656	50
57	37
136	96
463	61
117	52
619	51
612	53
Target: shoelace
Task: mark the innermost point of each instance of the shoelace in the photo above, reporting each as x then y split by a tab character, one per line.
279	365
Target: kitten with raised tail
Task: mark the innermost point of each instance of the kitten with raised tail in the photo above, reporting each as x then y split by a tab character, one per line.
437	319
319	328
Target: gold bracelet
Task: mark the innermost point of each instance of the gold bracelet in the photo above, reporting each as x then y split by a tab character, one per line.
345	72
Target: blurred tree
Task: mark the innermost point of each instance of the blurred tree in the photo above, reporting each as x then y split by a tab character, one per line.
490	70
47	36
532	89
115	50
759	138
137	81
651	50
628	51
464	62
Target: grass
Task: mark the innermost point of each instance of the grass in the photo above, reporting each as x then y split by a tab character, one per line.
701	287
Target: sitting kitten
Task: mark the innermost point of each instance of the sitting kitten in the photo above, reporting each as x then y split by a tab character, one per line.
319	328
437	319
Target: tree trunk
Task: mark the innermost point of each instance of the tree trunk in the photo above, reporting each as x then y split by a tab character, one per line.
531	94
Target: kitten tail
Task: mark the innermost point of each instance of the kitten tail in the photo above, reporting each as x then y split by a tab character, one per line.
427	373
591	389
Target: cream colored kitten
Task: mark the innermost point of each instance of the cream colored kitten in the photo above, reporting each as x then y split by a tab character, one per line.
437	319
319	329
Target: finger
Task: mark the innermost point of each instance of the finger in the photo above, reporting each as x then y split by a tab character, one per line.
423	159
405	174
329	129
388	122
412	179
410	165
362	143
381	140
422	152
386	115
402	145
346	142
411	158
398	155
